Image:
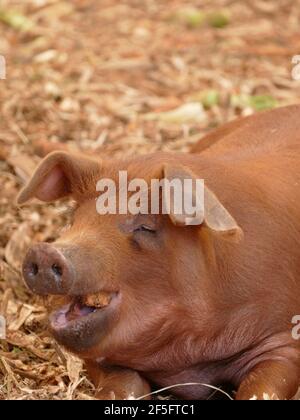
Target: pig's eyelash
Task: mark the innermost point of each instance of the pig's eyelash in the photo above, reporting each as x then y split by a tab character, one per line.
145	229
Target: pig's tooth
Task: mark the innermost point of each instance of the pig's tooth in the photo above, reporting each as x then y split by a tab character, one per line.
98	300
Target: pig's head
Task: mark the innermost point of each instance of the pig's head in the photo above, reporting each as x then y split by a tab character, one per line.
129	283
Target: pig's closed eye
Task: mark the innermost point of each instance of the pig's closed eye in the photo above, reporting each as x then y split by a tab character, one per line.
145	229
145	237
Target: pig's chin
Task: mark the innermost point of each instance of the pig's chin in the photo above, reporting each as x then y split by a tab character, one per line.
85	321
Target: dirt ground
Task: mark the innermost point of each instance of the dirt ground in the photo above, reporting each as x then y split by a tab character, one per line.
117	77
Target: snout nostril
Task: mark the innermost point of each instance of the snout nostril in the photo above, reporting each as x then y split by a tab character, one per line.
57	270
47	271
34	269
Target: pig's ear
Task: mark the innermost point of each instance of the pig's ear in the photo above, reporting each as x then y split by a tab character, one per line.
213	215
59	175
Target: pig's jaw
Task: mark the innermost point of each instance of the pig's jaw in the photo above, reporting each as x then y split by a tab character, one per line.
82	323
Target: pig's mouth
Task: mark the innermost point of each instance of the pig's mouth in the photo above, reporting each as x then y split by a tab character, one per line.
79	324
80	307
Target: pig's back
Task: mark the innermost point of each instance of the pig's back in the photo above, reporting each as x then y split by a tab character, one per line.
259	159
264	133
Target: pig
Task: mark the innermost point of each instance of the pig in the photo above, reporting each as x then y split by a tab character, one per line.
146	299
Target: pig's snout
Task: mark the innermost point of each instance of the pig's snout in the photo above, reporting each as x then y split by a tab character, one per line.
46	271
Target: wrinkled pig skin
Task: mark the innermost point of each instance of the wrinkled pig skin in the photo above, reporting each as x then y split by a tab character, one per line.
148	300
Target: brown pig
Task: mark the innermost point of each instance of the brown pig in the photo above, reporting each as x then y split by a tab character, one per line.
148	299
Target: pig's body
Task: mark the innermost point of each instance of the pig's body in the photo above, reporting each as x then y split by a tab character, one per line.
208	308
254	168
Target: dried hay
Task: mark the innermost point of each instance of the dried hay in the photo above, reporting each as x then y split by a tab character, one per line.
119	78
